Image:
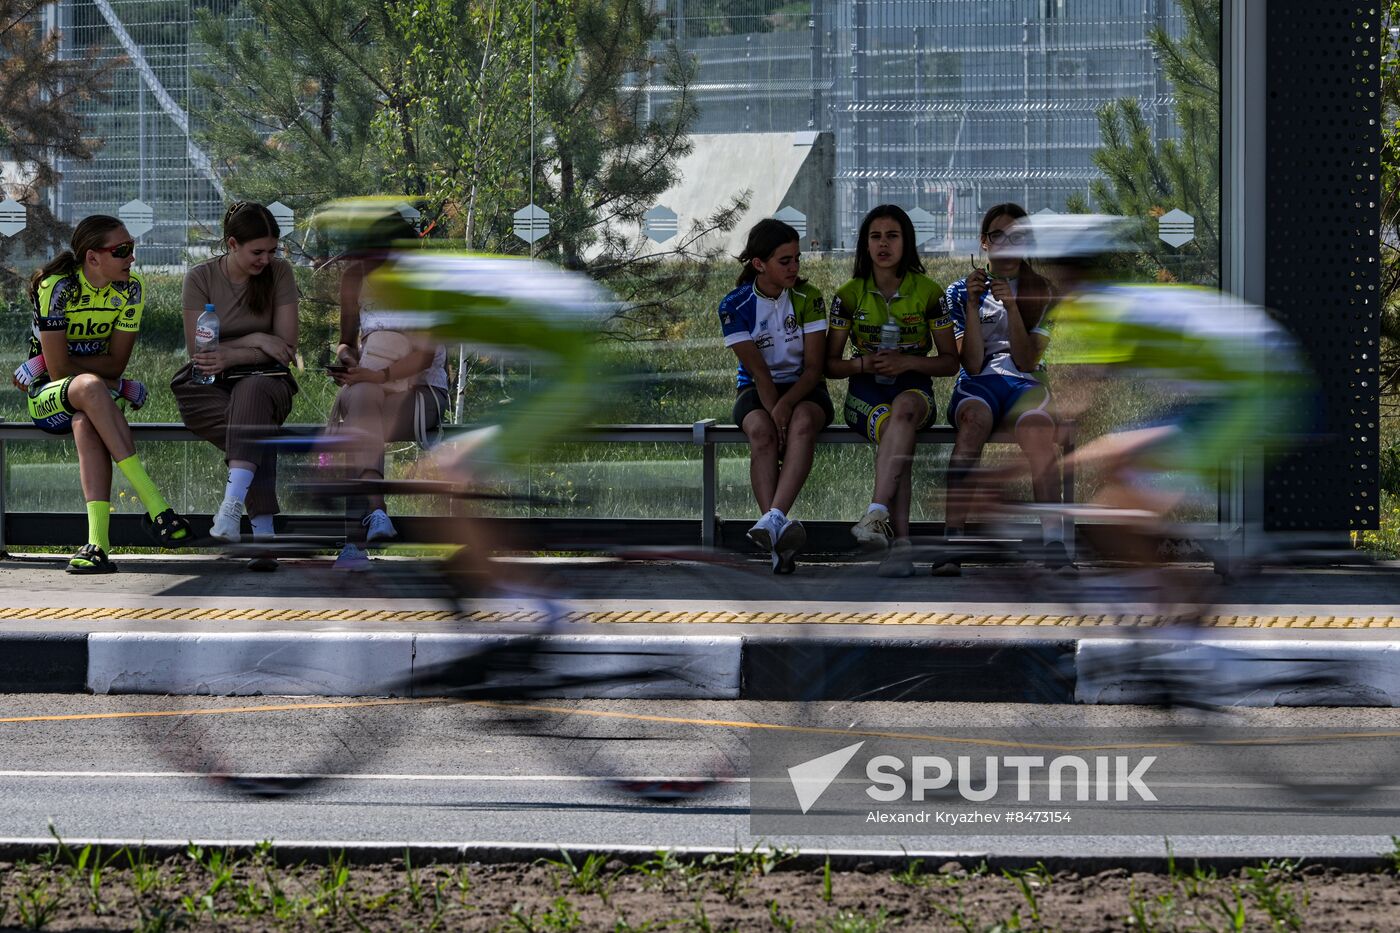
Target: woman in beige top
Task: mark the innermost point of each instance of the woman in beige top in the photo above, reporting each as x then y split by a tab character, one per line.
254	294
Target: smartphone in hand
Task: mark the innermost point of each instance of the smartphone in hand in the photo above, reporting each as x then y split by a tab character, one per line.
337	369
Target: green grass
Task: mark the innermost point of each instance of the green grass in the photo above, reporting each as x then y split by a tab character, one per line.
679	373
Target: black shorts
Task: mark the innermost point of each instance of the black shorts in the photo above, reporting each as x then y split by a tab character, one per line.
748	401
868	402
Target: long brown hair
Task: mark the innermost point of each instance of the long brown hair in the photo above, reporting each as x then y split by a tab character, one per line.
88	235
249	220
909	260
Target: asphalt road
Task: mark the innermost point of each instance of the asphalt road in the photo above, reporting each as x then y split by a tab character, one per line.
427	772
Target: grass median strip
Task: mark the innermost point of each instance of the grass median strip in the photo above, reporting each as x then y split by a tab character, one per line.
208	887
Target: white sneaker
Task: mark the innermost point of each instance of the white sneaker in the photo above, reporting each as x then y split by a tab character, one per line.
873	531
767	530
228	521
791	541
352	559
380	528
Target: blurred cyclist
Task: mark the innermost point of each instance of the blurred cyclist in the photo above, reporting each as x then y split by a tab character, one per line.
511	305
1235	375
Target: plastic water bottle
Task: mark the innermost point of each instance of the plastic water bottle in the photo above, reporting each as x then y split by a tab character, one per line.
889	340
206	337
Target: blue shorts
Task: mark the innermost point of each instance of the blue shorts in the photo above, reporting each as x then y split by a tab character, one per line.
1004	395
868	403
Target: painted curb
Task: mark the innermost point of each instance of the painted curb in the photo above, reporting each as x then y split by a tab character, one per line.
369	664
747	667
1233	672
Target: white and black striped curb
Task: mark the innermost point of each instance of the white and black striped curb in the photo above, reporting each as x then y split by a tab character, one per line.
719	667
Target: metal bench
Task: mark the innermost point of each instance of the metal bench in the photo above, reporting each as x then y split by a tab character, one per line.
37	528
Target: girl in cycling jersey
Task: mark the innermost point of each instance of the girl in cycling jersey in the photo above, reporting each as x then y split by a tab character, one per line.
775	323
87	312
254	293
999	322
890	394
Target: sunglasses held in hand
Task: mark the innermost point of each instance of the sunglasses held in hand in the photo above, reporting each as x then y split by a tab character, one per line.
986	271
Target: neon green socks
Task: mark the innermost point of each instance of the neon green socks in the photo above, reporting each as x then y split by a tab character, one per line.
135	474
99	520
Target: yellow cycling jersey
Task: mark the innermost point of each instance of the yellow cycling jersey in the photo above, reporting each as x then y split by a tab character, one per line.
87	315
917	307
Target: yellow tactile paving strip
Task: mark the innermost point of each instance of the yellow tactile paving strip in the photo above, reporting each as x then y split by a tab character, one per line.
668	616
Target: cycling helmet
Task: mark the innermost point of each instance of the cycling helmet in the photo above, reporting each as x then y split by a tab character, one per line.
1073	236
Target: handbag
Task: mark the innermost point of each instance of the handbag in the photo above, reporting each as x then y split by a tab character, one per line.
381	349
235	373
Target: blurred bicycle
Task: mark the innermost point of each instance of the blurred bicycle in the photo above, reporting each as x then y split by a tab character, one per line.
1239	386
519	665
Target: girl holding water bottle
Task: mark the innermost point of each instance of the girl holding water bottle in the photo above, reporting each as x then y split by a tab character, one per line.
250	387
891	314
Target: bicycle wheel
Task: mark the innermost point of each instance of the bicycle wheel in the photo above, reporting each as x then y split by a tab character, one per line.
270	714
1311	715
621	693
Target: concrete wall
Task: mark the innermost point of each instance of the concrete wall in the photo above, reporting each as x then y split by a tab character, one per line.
779	170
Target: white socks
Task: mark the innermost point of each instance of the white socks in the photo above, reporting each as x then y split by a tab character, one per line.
876	507
262	525
239	480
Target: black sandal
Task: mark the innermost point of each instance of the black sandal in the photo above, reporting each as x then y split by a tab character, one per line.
165	526
93	560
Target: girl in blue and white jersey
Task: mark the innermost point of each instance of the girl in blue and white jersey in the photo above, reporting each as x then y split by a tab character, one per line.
776	325
999	322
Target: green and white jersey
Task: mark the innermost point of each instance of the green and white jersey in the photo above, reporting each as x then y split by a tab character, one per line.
1198	339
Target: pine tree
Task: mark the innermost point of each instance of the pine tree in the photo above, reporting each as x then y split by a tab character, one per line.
292	99
609	158
40	119
429	98
1146	177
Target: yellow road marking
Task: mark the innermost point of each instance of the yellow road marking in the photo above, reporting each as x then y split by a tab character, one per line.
270	708
665	617
709	723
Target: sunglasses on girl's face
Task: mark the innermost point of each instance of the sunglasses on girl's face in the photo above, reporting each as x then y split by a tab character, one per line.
120	251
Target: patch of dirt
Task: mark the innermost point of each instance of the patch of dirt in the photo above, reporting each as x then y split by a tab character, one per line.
211	890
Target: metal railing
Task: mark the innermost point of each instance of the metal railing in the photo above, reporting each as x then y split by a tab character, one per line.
707	434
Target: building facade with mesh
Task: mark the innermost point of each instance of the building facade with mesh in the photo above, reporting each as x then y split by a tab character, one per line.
946	105
148	153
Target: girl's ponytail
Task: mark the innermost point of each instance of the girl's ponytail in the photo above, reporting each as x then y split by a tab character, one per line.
764	239
62	264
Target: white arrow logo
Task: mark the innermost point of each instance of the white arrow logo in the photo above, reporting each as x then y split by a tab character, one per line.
811	778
